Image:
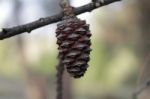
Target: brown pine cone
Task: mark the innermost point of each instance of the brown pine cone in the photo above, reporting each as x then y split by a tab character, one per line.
73	38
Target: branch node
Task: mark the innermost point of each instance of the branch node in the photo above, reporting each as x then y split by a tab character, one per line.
29	31
4	31
148	83
41	19
98	3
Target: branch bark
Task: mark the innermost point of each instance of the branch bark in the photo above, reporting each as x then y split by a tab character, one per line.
16	30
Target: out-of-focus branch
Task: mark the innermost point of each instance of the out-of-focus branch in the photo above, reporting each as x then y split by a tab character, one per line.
9	32
146	85
138	92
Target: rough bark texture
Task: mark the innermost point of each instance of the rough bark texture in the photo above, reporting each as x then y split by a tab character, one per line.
16	30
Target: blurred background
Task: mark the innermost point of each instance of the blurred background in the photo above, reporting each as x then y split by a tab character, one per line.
120	44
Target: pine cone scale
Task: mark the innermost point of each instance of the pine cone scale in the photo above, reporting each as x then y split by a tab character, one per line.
73	39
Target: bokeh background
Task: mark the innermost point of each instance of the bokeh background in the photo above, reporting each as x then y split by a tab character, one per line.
28	61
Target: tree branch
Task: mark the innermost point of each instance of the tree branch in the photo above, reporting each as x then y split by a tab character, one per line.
143	88
9	32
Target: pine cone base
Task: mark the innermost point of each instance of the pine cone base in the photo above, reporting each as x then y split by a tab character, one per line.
73	38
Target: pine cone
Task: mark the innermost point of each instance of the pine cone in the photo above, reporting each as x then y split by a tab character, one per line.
73	38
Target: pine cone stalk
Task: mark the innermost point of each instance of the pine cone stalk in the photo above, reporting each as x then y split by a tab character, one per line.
73	38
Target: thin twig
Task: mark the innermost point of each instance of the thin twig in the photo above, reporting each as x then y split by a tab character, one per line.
147	82
138	92
9	32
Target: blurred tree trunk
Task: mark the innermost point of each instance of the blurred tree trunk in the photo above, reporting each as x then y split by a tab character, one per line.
36	84
144	48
